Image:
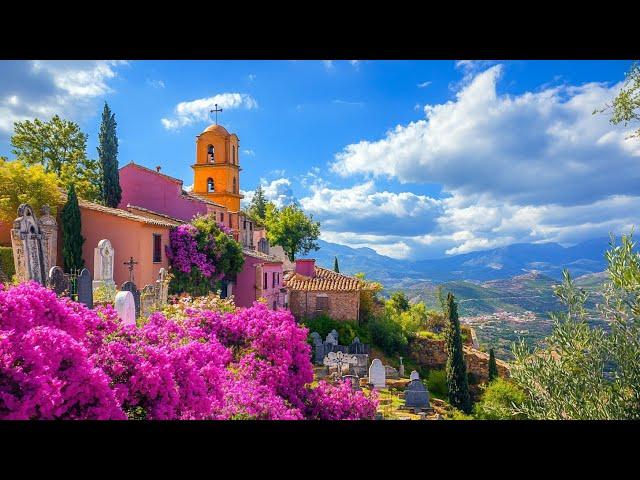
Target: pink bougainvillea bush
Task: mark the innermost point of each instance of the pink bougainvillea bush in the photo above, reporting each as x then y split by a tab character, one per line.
60	360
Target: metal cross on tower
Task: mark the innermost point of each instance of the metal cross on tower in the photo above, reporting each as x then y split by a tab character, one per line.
131	263
216	110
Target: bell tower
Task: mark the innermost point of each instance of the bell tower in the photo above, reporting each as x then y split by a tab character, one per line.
216	173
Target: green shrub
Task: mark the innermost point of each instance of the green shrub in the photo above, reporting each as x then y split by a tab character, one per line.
6	261
437	383
388	335
498	400
347	331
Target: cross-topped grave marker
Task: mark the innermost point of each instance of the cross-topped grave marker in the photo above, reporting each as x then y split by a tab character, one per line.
338	359
131	263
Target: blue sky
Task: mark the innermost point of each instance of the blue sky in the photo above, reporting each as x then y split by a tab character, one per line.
412	158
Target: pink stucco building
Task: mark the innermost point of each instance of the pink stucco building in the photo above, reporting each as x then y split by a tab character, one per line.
261	276
150	189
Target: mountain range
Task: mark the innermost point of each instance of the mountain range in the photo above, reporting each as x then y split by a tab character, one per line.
548	259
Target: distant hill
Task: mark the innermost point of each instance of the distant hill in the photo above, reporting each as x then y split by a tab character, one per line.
548	259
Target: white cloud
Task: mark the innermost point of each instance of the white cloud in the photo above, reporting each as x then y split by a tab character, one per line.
345	102
187	113
159	84
328	64
423	84
31	89
543	147
533	167
278	191
249	152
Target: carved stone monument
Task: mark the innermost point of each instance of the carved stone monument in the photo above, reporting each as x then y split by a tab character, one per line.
162	288
49	229
148	300
28	251
103	256
416	395
339	360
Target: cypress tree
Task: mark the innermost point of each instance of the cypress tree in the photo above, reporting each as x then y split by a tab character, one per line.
493	367
335	265
258	205
108	154
457	381
72	239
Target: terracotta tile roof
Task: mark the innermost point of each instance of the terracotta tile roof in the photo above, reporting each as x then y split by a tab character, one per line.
145	212
261	256
124	214
200	198
324	281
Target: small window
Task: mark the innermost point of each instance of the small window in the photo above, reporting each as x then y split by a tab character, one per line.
322	304
264	281
221	217
157	248
210	185
233	154
273	279
235	185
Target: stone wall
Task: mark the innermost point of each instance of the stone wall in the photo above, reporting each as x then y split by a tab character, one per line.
431	353
342	305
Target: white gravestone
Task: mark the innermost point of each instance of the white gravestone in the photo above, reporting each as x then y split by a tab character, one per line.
126	307
414	375
377	374
162	288
103	256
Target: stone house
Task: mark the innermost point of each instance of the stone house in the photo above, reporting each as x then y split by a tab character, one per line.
315	290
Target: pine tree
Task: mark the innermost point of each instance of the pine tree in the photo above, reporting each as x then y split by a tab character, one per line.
335	265
72	239
457	381
493	367
108	154
258	205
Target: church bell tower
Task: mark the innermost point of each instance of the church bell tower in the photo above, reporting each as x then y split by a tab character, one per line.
217	169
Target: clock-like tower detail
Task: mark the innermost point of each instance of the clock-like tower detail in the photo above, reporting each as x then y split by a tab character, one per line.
217	168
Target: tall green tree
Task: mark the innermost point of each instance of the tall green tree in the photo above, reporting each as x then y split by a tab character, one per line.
61	148
108	155
456	369
290	228
258	206
336	268
493	366
585	372
72	239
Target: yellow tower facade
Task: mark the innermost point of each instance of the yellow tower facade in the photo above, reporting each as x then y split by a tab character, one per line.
216	173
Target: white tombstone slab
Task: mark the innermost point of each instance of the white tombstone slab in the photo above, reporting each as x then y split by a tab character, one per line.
377	374
414	375
103	257
126	307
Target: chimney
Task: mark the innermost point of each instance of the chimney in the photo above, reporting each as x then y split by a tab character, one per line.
158	168
306	267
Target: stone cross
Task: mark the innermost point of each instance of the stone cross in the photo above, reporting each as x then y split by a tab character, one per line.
338	359
84	286
131	263
377	374
58	281
27	243
162	288
126	308
131	287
